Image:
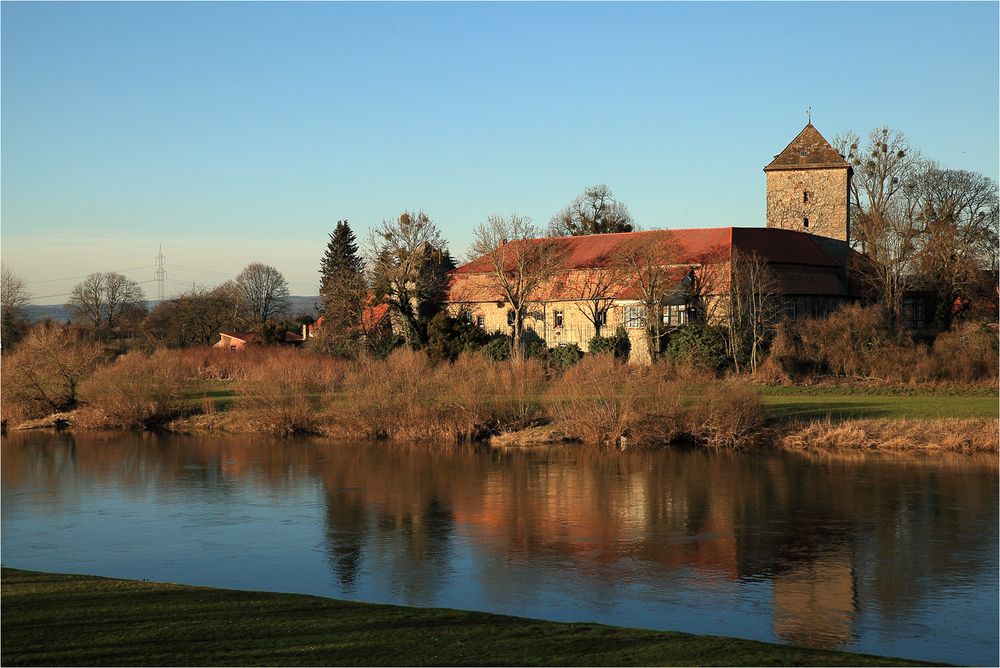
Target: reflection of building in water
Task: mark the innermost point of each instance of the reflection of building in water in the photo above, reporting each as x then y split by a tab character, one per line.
814	601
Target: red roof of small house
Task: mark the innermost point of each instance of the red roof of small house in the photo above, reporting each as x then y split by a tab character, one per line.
678	249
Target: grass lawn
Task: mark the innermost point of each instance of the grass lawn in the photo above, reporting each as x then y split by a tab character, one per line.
51	619
810	405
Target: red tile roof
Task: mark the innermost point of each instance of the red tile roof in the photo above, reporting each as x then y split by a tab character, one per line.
472	282
809	150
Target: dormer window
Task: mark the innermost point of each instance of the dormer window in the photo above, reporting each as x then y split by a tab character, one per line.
805	196
805	222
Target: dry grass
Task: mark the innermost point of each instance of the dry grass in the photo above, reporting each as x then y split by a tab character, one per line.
406	397
948	434
287	391
605	402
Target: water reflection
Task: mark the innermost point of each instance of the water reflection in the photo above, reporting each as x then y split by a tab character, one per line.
848	552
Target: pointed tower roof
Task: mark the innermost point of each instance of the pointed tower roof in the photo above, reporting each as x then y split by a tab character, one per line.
809	150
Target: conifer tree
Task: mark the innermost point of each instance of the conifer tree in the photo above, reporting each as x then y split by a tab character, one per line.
343	293
341	255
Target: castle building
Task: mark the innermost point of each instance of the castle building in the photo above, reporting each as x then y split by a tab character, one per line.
806	245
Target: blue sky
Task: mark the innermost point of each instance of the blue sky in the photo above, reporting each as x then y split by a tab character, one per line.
239	132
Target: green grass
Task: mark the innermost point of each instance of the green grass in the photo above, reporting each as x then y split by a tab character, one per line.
51	619
809	406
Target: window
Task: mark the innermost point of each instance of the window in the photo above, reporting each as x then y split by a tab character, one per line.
558	316
805	222
913	312
510	317
635	317
805	196
675	315
602	318
465	316
481	321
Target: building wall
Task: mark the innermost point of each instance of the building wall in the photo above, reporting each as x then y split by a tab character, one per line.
540	321
827	208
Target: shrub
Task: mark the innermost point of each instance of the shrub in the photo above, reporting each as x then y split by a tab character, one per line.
726	413
44	372
846	341
966	354
449	337
698	344
288	392
136	390
618	345
563	357
498	349
596	400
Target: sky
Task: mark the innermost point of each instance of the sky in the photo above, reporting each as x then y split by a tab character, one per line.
240	132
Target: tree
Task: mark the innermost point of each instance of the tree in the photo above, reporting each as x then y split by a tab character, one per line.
410	264
44	372
193	318
341	257
13	298
598	287
650	266
343	293
596	211
751	309
519	265
956	216
882	212
102	300
264	293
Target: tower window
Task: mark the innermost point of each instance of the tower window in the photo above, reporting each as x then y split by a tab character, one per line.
805	196
805	222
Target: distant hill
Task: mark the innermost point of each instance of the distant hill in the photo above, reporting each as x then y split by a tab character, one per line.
59	312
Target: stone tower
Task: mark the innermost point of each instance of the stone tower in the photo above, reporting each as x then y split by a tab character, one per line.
808	187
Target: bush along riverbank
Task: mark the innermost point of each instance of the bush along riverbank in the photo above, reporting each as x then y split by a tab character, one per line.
406	397
82	620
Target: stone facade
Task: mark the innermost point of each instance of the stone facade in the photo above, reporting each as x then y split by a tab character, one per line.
810	200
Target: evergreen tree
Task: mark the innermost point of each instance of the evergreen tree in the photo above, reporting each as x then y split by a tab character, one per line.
343	293
341	256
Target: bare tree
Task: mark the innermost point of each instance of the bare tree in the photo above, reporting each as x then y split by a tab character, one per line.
103	299
264	292
956	216
45	370
194	317
882	211
13	298
598	287
410	264
520	264
751	309
650	266
596	211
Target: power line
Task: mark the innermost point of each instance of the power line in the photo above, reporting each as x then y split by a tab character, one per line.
70	278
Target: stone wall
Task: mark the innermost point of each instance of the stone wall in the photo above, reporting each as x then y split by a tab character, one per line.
826	208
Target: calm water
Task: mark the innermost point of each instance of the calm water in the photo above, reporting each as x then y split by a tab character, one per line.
895	557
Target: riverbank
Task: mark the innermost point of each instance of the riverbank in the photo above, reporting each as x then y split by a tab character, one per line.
53	619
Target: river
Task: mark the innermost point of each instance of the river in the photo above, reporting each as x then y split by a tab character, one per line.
895	556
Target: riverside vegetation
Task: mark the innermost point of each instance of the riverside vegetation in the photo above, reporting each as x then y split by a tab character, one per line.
683	398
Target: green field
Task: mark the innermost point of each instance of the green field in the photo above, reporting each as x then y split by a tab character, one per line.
809	405
51	619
